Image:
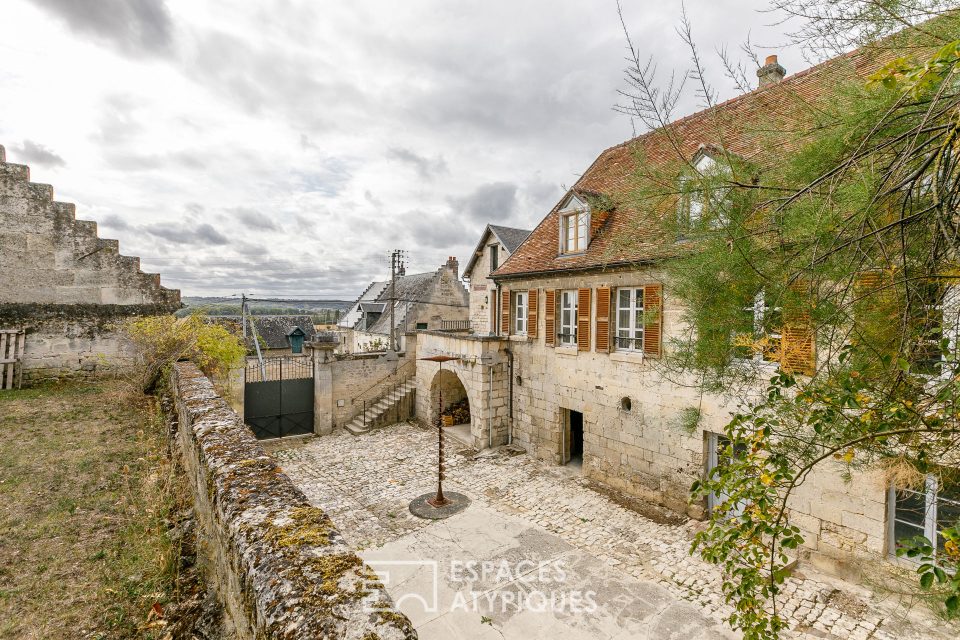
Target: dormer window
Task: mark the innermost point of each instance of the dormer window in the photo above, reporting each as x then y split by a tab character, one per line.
703	195
574	226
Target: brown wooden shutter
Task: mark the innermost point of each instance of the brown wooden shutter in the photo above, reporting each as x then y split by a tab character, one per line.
603	319
533	299
549	317
652	319
505	312
583	319
797	343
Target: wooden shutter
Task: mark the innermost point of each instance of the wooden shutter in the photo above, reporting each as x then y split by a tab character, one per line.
603	319
797	344
549	317
505	312
533	299
583	319
652	319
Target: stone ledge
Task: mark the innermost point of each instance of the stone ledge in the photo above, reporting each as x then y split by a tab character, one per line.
279	565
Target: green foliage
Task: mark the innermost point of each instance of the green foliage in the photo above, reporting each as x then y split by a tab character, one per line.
850	225
156	342
938	569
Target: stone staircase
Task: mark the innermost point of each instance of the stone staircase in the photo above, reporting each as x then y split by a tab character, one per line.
46	243
397	402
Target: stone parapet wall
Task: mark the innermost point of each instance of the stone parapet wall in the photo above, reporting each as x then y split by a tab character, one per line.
71	340
279	565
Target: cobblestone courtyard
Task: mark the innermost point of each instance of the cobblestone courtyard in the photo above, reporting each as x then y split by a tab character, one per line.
654	587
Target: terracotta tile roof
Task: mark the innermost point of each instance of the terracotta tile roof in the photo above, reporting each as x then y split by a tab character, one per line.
749	126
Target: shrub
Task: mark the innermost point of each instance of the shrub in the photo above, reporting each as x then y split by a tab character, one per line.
156	342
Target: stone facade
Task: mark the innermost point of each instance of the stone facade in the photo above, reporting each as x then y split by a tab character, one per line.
483	291
425	301
63	283
635	439
501	241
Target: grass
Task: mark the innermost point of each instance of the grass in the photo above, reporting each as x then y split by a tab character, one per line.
85	495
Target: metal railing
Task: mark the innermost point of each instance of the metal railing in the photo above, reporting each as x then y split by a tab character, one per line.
454	325
384	387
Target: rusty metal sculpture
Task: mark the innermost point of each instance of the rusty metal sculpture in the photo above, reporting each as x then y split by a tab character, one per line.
439	500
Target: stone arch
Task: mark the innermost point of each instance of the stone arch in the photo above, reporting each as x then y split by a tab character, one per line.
447	383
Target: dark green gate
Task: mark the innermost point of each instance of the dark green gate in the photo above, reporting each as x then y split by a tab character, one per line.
278	397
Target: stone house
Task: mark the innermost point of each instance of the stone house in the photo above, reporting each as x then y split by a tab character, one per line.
435	300
63	284
497	243
585	311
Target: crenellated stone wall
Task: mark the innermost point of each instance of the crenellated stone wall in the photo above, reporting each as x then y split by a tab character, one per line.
279	565
62	283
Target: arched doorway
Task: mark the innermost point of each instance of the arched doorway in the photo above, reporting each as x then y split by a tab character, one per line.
455	403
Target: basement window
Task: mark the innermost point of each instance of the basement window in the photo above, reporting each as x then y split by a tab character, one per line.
924	511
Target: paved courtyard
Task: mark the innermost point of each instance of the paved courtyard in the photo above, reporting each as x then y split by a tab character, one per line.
540	553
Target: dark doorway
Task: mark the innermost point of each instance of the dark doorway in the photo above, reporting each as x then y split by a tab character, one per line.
573	436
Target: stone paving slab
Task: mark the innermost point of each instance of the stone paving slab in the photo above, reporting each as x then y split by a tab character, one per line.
366	483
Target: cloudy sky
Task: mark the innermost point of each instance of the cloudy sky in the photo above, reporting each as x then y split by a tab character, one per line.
283	147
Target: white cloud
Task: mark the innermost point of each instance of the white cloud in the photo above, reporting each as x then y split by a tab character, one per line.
288	146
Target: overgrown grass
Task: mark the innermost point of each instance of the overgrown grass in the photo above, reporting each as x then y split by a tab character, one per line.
85	495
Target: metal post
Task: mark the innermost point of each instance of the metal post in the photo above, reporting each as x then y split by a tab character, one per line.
393	299
438	500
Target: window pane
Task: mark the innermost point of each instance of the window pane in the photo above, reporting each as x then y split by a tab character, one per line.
911	507
638	298
623	319
948	508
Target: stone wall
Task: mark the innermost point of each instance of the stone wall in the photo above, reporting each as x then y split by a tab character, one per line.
63	283
483	290
343	381
648	450
481	367
279	565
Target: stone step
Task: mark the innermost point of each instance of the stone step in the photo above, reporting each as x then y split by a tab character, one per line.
10	172
356	427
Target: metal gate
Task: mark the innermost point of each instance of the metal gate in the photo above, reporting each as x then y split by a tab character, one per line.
278	397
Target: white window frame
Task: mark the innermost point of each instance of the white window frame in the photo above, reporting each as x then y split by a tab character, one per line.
567	335
690	208
633	337
714	441
574	227
521	301
932	499
759	309
949	309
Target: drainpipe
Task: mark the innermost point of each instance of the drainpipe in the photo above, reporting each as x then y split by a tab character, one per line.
509	395
490	408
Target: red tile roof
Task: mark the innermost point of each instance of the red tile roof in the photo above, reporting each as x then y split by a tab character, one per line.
749	126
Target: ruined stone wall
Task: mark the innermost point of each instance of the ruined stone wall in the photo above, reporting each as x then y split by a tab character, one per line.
647	450
63	283
279	565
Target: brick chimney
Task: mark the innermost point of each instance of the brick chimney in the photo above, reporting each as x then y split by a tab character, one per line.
771	72
454	266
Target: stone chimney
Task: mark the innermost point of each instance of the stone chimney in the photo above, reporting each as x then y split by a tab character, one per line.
771	72
454	266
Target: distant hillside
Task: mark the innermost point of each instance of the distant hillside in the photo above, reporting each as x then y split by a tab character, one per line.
321	310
